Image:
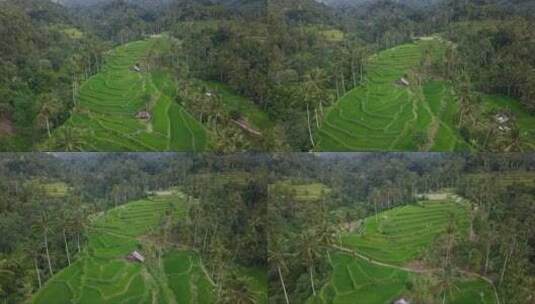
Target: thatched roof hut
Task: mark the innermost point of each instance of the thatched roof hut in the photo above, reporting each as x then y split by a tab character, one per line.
143	115
135	256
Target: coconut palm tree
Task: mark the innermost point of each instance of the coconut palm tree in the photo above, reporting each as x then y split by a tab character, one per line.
6	275
50	106
277	260
68	139
238	291
314	96
42	225
308	247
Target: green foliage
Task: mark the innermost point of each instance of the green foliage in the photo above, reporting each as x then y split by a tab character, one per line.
399	237
303	192
187	279
401	234
354	278
103	275
105	116
239	104
383	114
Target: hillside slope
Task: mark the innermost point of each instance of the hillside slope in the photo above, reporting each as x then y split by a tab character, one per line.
105	117
102	274
377	263
401	108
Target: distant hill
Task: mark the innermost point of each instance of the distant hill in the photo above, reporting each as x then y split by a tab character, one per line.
147	3
93	2
516	6
413	3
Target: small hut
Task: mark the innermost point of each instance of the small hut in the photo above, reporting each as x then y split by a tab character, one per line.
401	301
137	68
404	82
135	256
143	115
502	118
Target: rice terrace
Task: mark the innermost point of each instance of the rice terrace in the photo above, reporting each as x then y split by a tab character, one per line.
127	107
399	107
379	261
124	261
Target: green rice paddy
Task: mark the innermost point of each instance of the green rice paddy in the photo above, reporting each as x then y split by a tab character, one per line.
505	179
525	121
187	280
386	244
103	275
56	189
383	114
108	103
237	103
399	235
306	192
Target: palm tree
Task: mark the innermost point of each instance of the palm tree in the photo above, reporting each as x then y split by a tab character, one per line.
50	106
313	95
447	274
6	275
238	291
315	84
277	259
515	140
42	225
309	249
68	139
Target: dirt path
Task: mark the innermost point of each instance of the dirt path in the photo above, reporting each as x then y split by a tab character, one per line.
375	262
418	269
246	126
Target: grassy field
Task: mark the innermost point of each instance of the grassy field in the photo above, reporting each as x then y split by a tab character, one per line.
388	243
56	189
399	235
52	188
257	283
386	115
105	114
187	279
524	120
236	103
102	274
302	191
504	179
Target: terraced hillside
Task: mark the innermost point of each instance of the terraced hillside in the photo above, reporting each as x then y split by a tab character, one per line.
233	102
304	192
102	274
398	236
106	114
504	179
386	114
374	264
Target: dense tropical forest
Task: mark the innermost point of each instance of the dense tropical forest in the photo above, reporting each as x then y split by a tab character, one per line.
278	75
111	228
258	228
381	228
